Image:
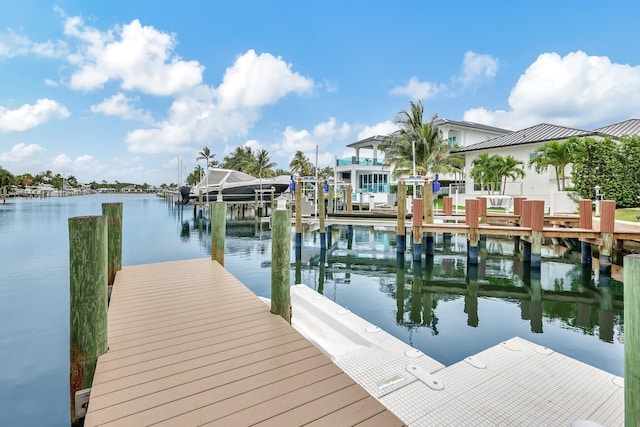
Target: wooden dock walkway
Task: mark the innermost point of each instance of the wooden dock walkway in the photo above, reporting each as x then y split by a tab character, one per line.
191	345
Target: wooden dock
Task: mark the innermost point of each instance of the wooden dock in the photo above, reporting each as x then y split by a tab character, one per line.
190	345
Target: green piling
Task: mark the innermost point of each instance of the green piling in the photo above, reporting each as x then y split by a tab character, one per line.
88	296
631	266
280	264
113	212
218	230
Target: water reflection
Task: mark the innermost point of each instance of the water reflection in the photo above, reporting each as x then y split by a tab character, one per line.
560	305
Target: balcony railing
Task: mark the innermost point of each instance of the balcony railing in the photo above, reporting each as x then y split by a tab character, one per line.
363	161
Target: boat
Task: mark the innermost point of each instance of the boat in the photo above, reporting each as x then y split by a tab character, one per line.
238	186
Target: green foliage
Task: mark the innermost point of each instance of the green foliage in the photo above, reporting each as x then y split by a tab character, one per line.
492	172
614	166
419	141
6	178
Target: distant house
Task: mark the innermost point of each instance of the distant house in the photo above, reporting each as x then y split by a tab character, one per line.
367	175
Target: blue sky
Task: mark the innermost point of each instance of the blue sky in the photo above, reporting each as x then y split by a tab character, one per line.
119	90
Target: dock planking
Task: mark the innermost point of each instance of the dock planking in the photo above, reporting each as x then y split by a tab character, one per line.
191	345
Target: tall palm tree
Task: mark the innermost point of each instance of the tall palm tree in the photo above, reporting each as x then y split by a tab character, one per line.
557	155
300	164
509	167
206	155
417	147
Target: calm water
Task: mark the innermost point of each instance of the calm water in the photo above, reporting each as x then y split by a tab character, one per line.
440	307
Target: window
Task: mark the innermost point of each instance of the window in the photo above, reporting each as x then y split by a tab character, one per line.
453	141
373	183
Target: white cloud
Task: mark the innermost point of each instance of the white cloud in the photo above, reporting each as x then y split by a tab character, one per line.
384	128
13	44
50	83
21	152
120	105
258	80
477	68
575	90
206	115
324	135
140	57
61	161
30	116
419	90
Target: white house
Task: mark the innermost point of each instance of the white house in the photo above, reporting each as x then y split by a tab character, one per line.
370	178
522	144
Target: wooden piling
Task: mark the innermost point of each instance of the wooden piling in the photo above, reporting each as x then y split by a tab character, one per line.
536	219
88	295
607	225
113	212
280	264
482	209
428	215
585	207
518	206
332	198
402	213
631	264
472	220
416	209
447	206
322	214
218	230
298	191
586	222
348	199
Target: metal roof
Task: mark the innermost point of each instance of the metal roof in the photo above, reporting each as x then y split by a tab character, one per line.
539	133
368	142
472	125
627	127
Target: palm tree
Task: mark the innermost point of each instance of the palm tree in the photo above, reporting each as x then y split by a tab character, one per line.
241	159
509	167
300	164
262	165
417	147
206	155
491	172
556	154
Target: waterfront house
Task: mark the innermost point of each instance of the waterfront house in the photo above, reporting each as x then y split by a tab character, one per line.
370	179
522	145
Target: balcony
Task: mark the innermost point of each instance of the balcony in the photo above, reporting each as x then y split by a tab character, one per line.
362	161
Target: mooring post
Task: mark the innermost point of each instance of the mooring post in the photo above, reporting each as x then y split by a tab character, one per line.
536	223
113	212
322	214
525	221
607	225
518	205
218	229
471	219
88	301
428	214
332	198
402	213
631	264
298	190
348	199
586	222
416	209
280	263
329	236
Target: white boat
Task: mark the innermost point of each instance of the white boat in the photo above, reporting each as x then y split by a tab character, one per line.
238	186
